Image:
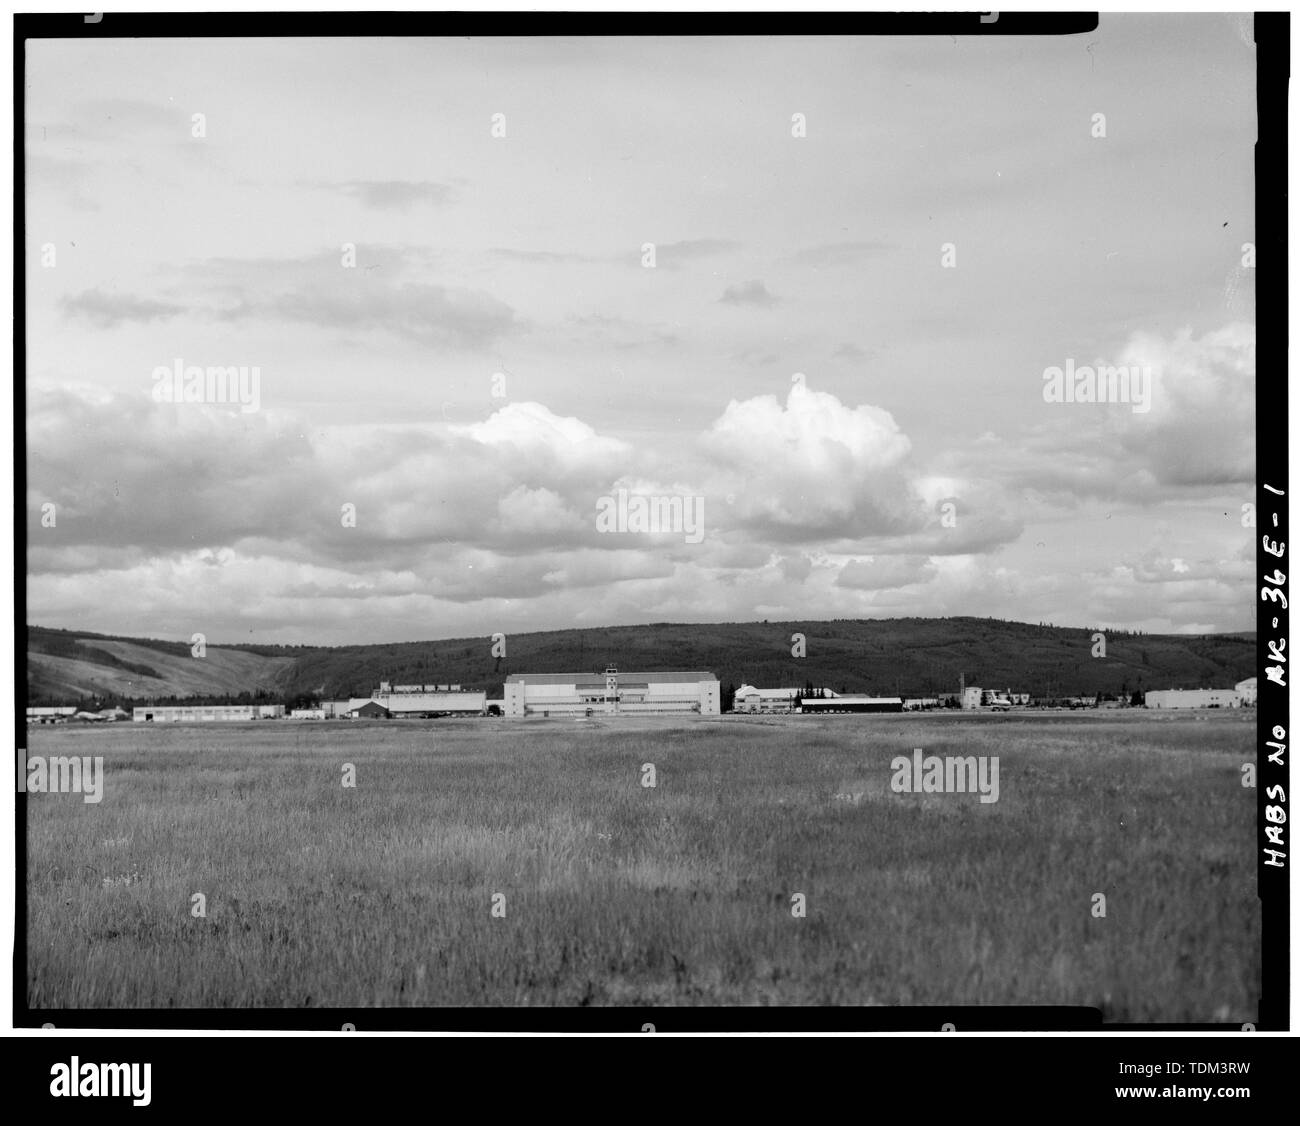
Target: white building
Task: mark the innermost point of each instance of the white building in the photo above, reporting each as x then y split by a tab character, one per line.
207	713
612	693
1194	698
751	699
405	701
50	715
920	703
1248	690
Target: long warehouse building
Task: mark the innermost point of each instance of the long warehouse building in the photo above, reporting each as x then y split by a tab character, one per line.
1193	698
852	704
207	713
612	693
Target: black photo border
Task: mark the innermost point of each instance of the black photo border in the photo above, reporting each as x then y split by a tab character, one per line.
1273	66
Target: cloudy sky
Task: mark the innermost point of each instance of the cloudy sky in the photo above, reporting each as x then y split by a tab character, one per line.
865	424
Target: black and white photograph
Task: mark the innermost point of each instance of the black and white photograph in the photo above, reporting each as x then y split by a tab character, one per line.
552	525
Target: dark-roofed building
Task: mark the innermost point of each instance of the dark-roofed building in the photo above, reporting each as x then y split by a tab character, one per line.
853	704
371	709
612	693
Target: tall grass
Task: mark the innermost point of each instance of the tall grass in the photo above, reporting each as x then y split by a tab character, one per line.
619	894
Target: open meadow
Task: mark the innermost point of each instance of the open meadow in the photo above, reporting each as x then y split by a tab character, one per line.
618	893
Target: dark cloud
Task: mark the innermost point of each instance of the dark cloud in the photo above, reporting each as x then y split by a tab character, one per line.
430	313
750	293
838	253
544	257
669	254
415	489
108	493
108	310
398	195
383	292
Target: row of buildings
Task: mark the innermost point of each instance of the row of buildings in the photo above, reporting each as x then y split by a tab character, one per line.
383	703
526	694
753	700
611	693
70	714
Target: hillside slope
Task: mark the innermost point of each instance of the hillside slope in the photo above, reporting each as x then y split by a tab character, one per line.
113	670
907	656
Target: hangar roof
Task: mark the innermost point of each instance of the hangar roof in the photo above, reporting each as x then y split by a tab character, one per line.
624	678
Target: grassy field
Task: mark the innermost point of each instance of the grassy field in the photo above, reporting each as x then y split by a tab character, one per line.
619	894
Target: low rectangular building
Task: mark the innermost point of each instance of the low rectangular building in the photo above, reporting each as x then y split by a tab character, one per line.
206	713
1194	698
428	705
853	704
50	715
920	703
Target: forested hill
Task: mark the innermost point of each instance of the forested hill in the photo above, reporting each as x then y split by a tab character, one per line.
897	656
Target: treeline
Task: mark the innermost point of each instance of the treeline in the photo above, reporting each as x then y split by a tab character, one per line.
112	700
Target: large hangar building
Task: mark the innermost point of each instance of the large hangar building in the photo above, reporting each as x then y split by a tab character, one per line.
612	693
